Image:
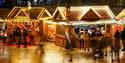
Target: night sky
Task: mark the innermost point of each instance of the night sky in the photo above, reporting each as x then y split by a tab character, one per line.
1	3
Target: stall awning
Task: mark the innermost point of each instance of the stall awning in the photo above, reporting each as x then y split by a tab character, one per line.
109	21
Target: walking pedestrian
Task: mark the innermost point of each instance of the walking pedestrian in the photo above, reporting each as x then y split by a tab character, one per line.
25	34
86	42
117	40
68	41
82	37
18	36
68	44
123	39
117	43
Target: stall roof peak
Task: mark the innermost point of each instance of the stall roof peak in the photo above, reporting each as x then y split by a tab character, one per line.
121	15
33	13
78	12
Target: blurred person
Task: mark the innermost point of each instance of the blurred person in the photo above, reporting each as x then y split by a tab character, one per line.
1	34
117	42
68	45
40	50
36	38
17	36
25	35
72	37
4	38
93	38
86	41
103	31
68	41
123	39
90	32
82	37
99	33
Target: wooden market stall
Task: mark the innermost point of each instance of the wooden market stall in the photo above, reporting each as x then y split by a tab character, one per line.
46	28
29	17
83	15
16	15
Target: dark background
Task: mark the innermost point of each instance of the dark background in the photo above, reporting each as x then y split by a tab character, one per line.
115	5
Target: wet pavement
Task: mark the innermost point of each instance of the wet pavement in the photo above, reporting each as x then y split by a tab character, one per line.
51	54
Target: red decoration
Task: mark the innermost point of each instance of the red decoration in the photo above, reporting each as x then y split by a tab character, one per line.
117	19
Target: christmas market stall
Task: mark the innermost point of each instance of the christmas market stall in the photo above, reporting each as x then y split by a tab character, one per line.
84	17
16	17
47	30
27	18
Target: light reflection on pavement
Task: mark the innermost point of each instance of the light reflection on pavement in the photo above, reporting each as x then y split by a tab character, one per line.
53	54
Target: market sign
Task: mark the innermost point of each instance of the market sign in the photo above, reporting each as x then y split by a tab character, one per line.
21	19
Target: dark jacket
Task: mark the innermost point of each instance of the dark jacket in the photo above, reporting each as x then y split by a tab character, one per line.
123	35
117	35
16	32
25	32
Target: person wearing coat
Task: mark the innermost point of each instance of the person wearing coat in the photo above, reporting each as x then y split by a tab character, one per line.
123	39
82	38
25	34
86	42
17	36
117	40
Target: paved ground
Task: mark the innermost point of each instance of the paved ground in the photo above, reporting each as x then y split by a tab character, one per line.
51	54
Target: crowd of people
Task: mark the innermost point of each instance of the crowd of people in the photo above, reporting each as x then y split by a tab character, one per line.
91	37
119	35
21	35
95	38
88	39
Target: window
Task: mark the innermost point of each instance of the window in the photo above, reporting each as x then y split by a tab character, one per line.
19	2
48	2
35	2
41	2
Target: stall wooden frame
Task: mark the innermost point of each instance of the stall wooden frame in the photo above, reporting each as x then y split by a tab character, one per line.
82	15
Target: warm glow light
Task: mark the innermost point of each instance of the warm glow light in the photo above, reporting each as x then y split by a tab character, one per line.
120	22
64	17
110	21
63	23
52	57
1	20
97	22
83	10
50	22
